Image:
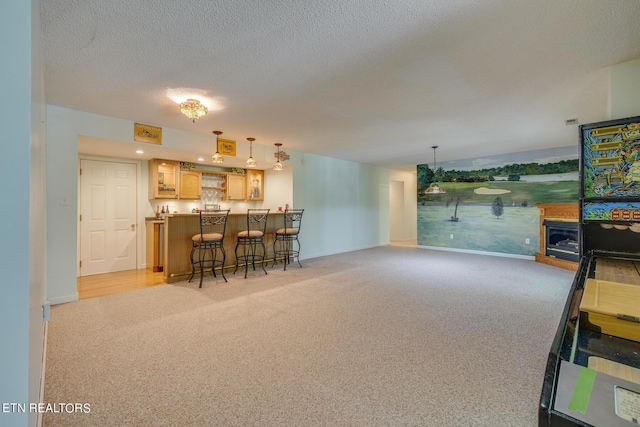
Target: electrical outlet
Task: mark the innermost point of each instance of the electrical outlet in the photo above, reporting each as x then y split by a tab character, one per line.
451	236
527	241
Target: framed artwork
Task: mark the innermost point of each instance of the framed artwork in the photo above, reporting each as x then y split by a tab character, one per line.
255	184
226	147
147	133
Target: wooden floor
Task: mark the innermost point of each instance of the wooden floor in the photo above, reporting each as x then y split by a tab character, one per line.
617	270
410	242
98	285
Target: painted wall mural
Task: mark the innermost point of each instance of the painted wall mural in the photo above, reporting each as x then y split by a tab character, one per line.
489	203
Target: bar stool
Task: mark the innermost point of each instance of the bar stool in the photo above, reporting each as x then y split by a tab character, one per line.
210	239
250	238
286	243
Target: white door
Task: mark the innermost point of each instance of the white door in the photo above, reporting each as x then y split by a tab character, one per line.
108	217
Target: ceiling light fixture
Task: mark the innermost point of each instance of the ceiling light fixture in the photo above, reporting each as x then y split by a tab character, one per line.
434	188
193	109
251	163
217	158
278	165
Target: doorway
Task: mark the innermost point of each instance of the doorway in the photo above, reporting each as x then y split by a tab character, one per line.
108	216
399	233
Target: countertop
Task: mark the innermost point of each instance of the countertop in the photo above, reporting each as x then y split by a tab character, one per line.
162	216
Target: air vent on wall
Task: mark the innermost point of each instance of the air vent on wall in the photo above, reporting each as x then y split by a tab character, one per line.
570	122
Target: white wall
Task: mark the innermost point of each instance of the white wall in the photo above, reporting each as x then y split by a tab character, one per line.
37	216
278	188
625	89
22	256
62	181
346	204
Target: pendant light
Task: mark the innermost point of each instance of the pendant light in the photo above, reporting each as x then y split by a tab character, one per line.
217	158
434	188
278	165
251	163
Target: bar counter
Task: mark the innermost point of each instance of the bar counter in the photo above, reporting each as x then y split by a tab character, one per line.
180	228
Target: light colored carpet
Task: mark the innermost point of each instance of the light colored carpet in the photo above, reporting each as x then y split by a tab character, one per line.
390	336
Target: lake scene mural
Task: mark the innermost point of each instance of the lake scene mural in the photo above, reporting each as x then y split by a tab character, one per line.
489	204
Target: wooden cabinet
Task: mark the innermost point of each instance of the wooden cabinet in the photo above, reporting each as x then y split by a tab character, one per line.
155	244
190	186
168	181
235	187
163	179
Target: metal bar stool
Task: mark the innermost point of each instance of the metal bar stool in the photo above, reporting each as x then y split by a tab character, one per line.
210	239
250	239
286	243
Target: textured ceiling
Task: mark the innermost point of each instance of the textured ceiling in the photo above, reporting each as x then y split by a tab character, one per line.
374	81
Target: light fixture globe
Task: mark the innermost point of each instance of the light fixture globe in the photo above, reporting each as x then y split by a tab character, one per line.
434	188
278	166
217	157
251	163
193	109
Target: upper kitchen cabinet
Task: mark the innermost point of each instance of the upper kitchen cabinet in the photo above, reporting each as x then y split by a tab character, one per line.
190	186
168	181
163	179
236	187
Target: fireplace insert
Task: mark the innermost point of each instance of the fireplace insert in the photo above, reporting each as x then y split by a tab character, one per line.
561	239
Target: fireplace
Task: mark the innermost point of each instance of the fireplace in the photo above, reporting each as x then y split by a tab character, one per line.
563	250
561	240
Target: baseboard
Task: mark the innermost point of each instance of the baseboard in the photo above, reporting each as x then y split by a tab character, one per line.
343	251
64	299
469	251
42	375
